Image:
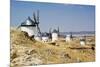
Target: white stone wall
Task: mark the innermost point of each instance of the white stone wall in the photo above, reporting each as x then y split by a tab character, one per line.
30	30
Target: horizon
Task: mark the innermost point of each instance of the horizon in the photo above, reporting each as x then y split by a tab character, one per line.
68	17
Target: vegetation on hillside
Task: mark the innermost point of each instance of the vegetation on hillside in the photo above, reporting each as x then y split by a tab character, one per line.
26	51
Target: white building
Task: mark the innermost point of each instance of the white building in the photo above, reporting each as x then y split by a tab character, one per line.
82	42
54	35
45	37
68	38
29	26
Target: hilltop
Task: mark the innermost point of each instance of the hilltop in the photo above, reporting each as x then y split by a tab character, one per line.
26	51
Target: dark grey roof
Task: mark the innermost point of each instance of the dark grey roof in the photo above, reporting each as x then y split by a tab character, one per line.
32	23
45	34
55	31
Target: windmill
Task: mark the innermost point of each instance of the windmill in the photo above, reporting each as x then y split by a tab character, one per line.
36	20
31	26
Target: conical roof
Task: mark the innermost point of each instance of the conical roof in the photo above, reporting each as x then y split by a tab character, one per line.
55	31
28	22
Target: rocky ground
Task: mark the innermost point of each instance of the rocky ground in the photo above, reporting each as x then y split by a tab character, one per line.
26	51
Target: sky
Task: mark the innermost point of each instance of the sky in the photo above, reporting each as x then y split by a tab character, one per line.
68	17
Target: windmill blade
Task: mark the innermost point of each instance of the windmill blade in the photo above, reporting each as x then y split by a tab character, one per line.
38	16
34	17
38	22
50	30
18	26
38	29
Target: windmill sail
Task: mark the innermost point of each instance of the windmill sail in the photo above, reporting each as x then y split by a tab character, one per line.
36	20
38	16
34	17
18	26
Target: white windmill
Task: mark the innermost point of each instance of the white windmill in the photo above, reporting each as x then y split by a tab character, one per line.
31	26
54	35
69	37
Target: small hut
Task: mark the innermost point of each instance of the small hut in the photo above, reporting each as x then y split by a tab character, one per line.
68	38
82	41
45	37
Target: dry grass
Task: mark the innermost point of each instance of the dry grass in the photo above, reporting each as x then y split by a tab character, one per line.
46	52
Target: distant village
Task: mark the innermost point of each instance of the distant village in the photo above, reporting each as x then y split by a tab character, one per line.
31	27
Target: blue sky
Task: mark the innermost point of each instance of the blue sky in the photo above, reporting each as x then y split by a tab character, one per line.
68	17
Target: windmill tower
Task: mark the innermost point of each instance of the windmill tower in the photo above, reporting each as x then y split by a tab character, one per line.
54	35
69	37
